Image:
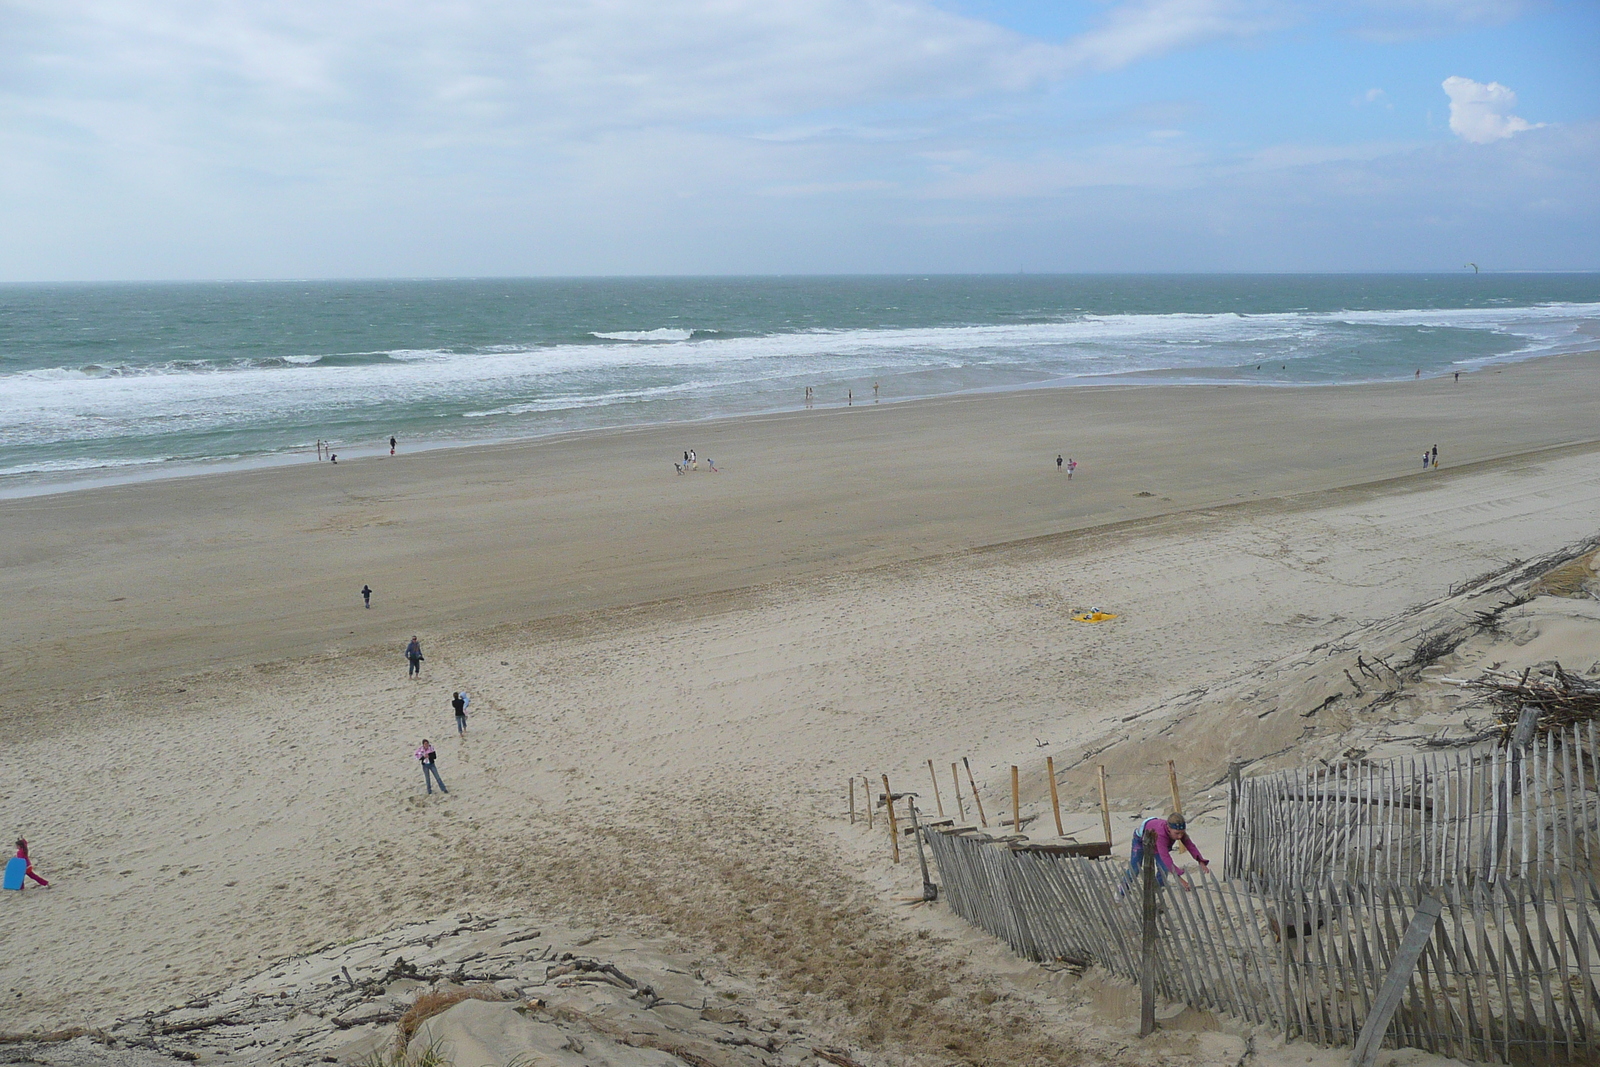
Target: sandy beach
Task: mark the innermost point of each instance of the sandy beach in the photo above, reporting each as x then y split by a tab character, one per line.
672	677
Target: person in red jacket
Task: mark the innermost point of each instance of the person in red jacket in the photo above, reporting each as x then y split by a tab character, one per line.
22	854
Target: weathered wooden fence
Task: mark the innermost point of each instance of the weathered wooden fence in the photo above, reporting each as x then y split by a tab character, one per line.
1509	973
1443	817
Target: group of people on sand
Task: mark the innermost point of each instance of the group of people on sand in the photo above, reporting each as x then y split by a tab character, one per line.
691	462
1069	464
426	754
1430	459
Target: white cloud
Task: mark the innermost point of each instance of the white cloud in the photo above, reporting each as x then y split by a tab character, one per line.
1136	31
1482	113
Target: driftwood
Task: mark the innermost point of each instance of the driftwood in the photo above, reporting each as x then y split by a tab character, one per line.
833	1055
637	1035
1560	698
51	1037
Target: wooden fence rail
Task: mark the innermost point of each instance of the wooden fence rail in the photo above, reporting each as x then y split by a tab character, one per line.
1509	973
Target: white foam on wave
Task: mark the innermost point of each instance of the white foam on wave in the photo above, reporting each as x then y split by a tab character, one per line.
665	333
50	406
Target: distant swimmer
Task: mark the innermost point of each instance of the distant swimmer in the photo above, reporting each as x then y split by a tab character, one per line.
414	655
391	446
366	595
333	457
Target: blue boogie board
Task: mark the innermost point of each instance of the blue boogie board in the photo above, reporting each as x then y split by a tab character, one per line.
16	870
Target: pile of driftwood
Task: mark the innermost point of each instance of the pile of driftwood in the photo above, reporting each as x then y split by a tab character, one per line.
1552	697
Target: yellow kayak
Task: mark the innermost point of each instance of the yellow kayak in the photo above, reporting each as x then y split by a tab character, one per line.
1093	616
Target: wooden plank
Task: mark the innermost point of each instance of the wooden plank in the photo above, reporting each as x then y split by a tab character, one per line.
937	800
1338	978
1245	922
1370	1040
961	807
1474	1036
1442	957
1590	998
1147	939
1519	947
1360	1001
1545	950
1088	849
1570	1009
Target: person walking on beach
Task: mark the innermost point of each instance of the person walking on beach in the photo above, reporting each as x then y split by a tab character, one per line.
1170	833
392	443
1072	465
1427	461
366	595
414	655
459	703
1436	456
22	854
430	770
1058	462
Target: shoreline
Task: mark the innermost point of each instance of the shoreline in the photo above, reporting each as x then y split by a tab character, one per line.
24	485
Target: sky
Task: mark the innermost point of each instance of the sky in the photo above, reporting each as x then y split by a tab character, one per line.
208	139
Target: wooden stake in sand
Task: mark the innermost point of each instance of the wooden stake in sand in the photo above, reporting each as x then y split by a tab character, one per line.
1172	781
960	805
894	830
866	783
1147	939
1055	800
1105	806
976	799
1016	801
935	779
852	800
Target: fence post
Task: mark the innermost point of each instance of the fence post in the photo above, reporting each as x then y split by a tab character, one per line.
1055	799
1147	957
1172	783
1394	985
894	829
1105	805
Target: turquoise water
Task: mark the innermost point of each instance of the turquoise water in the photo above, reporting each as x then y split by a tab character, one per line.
102	382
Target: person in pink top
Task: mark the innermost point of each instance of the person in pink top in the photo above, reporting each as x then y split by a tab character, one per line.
22	854
1170	833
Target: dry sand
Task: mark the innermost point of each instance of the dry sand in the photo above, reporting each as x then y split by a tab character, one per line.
672	677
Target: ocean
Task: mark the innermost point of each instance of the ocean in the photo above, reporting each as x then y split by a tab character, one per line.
112	382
